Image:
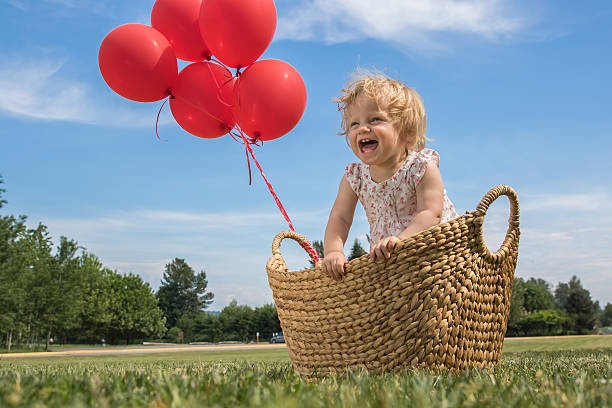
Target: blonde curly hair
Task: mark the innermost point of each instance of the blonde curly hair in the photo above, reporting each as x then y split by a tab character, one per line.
402	103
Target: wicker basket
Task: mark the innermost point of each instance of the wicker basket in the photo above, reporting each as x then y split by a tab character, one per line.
441	300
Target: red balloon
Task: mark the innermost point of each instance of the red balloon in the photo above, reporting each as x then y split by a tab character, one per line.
202	99
138	63
179	21
269	99
238	31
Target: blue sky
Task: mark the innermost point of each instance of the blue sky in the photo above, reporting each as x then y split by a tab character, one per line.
516	93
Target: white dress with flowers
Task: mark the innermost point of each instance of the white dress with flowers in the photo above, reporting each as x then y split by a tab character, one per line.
391	205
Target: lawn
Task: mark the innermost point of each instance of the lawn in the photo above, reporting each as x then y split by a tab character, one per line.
512	345
564	372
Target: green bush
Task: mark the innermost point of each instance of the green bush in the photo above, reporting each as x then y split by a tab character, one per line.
552	322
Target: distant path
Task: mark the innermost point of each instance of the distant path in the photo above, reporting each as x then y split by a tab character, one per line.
512	344
140	349
582	336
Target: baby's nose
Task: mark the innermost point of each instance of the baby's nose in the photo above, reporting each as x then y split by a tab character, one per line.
364	129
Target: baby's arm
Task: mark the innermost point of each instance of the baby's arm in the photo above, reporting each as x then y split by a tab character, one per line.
430	201
336	233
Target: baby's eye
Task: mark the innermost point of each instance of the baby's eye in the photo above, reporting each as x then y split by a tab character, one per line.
353	124
375	119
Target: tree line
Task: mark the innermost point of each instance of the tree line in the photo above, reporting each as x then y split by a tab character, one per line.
65	292
537	310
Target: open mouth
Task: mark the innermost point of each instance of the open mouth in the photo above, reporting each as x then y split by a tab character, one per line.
367	145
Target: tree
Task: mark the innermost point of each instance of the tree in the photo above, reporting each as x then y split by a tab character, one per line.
207	327
266	321
598	314
142	304
517	307
576	301
95	314
67	285
182	292
134	309
537	295
356	251
606	315
237	322
45	296
2	191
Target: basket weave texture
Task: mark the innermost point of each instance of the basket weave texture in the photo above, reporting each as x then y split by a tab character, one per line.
441	301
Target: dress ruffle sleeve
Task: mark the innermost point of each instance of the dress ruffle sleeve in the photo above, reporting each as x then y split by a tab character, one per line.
352	172
419	165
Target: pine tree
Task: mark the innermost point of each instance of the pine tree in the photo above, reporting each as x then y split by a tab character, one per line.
357	250
182	291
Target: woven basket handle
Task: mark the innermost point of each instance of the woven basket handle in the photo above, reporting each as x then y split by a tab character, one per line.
300	239
513	221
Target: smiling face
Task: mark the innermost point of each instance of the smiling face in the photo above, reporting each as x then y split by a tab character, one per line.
401	104
374	137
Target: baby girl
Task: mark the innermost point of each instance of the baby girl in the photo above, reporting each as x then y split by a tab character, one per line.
397	179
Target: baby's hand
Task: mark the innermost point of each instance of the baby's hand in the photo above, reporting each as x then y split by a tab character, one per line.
383	248
333	265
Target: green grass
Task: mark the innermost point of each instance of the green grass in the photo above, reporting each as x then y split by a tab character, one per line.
263	355
53	347
576	376
557	343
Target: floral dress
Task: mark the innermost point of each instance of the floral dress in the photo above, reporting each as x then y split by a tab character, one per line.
391	205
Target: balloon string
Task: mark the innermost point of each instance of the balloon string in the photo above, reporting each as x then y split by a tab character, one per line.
220	97
212	75
216	61
253	141
199	108
249	150
157	121
220	87
240	137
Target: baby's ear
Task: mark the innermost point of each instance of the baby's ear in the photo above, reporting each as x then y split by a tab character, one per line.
410	142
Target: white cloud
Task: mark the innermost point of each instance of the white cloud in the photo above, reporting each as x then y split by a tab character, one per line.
39	89
58	6
19	4
579	202
410	22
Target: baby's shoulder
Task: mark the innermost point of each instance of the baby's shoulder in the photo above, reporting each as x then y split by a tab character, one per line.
419	159
353	170
426	155
417	162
